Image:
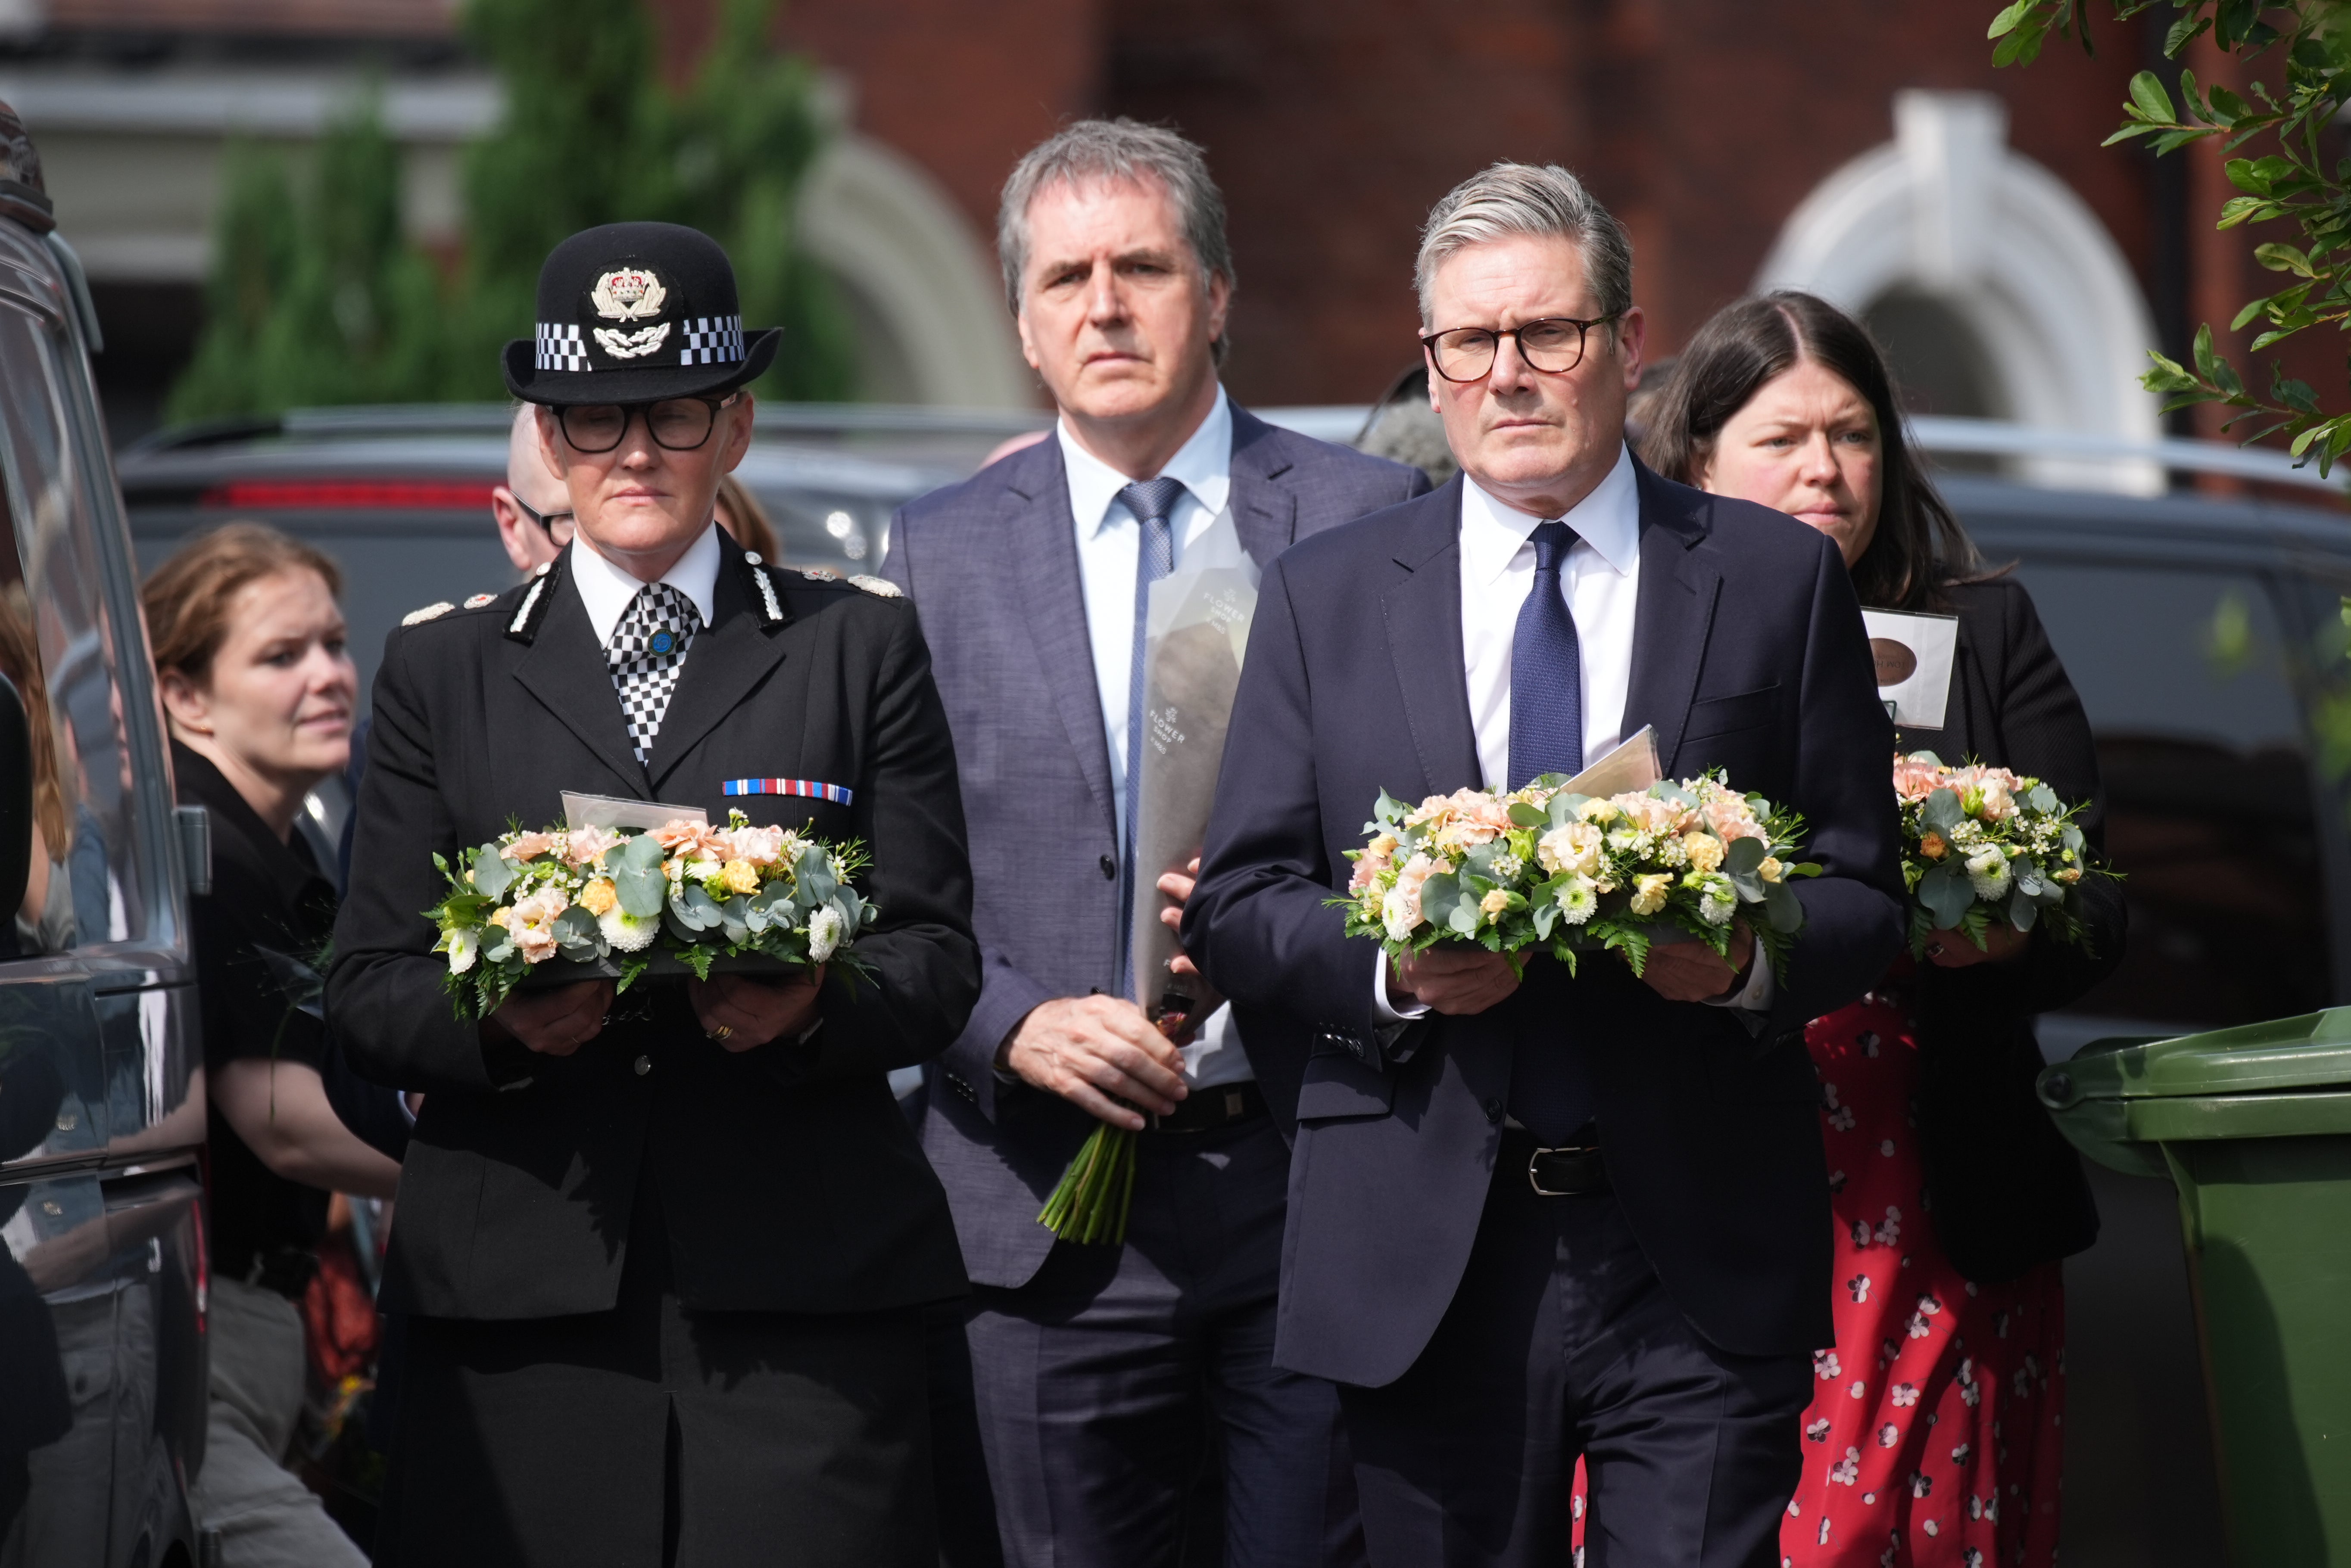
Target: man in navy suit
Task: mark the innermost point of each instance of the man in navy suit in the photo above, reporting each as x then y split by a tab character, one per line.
1535	1219
1099	1368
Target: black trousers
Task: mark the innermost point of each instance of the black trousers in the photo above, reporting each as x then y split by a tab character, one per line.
657	1435
1108	1381
1561	1341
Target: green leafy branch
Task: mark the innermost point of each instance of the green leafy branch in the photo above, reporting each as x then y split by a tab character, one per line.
2296	183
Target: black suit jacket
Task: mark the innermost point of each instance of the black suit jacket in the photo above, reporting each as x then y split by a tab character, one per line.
787	1177
2007	1190
1749	655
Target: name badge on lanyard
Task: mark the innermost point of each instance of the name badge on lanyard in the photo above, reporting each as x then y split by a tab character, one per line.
1913	655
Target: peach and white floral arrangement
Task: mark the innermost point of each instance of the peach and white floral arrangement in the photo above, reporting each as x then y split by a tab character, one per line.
684	890
1983	845
1542	869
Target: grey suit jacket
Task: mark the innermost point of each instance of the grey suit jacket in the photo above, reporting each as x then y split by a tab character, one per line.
992	566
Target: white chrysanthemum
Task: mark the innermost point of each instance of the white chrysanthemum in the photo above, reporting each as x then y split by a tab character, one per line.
1399	912
628	933
462	947
824	932
1715	911
1577	900
1988	874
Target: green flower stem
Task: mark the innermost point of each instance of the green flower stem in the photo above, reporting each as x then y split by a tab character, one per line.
1089	1204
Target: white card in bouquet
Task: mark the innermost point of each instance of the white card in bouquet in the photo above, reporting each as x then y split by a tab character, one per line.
615	811
1631	766
1913	654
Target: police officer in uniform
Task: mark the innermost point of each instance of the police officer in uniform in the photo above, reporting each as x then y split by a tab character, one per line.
667	1256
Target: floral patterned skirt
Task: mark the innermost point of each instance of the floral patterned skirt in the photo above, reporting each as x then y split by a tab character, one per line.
1936	1437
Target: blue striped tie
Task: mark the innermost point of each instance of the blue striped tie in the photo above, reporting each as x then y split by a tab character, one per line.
1152	501
1550	1083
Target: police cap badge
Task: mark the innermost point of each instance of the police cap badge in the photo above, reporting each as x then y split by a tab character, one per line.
629	313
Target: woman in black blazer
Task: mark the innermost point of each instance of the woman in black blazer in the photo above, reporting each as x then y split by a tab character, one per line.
1936	1420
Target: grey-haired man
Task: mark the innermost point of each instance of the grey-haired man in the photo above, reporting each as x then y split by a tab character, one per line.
1099	1368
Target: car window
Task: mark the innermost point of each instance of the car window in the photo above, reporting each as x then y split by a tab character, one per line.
58	643
2188	682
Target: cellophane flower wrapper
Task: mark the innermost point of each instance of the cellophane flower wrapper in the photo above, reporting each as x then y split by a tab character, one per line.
1544	870
1984	845
685	890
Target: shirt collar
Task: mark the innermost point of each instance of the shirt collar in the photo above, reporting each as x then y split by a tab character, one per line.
606	589
1204	463
1609	520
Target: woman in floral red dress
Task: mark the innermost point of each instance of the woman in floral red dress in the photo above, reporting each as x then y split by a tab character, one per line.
1935	1437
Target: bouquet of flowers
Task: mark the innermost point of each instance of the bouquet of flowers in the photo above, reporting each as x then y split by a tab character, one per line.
1545	869
1980	845
684	890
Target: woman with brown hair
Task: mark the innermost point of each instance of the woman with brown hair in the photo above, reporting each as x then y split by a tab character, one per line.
259	690
1933	1428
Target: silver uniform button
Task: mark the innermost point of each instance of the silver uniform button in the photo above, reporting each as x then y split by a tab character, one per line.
645	1066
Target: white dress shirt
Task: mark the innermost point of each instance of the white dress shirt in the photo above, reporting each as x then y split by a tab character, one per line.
605	589
1110	543
1601	581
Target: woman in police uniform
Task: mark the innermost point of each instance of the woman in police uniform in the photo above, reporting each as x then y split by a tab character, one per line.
665	1259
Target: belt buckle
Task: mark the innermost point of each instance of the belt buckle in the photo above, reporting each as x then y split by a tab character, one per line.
1540	1189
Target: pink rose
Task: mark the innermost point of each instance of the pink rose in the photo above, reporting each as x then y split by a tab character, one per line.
689	840
1416	870
759	845
586	845
529	846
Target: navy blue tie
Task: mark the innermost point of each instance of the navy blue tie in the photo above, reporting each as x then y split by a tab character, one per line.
1153	501
1546	670
1550	1088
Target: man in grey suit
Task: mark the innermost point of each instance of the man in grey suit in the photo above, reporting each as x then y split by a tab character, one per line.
1099	1368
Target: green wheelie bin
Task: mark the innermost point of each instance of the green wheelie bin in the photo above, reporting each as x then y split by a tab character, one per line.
2252	1126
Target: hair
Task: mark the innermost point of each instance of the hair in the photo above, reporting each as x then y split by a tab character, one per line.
1918	547
1541	199
1120	150
740	513
189	597
20	661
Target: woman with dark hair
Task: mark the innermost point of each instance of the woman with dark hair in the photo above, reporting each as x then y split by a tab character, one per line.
1935	1428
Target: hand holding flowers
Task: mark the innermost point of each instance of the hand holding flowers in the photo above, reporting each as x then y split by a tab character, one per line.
1545	869
1989	854
684	890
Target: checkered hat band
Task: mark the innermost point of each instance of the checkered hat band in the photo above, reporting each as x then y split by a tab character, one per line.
712	340
647	655
560	347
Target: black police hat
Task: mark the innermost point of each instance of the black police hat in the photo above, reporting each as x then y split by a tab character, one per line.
632	312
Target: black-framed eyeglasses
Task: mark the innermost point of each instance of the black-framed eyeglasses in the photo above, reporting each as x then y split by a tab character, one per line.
676	424
548	522
1554	343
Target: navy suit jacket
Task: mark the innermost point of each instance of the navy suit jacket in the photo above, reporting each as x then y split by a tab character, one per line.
1750	656
992	566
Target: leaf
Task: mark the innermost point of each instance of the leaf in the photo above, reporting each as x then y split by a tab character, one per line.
1528	815
2023	911
1942	812
1946	893
640	886
2277	257
1742	855
2010	16
493	872
1438	895
1782	907
2150	100
579	935
2182	33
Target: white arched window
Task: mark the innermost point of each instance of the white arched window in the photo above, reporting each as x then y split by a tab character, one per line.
1995	289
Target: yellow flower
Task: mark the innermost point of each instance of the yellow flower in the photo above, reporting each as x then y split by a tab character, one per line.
599	896
1933	847
742	877
1704	849
2071	874
498	915
1597	809
1649	892
1494	903
1383	847
1771	868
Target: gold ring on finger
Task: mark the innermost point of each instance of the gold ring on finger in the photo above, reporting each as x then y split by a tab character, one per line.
721	1031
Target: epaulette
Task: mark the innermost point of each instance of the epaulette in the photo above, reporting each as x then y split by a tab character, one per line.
880	587
820	574
524	627
429	612
772	612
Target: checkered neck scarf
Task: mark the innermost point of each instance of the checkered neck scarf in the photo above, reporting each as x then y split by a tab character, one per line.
647	650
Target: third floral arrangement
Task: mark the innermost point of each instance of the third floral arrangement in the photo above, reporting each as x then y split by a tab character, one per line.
1980	845
1544	870
684	890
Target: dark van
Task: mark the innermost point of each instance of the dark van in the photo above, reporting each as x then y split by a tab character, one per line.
102	1278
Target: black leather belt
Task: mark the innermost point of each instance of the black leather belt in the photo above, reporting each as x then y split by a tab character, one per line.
1210	1109
1572	1170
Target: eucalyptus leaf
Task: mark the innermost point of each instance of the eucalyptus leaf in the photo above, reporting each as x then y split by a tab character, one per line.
2041	798
733	919
1742	855
1942	811
1438	894
1526	815
1946	894
2023	911
1929	758
696	909
493	872
1546	916
1465	917
1782	908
